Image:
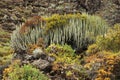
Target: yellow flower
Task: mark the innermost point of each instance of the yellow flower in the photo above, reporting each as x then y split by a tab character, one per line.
102	71
99	79
107	79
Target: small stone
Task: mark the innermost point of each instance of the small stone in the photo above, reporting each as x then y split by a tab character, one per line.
8	26
41	64
37	52
51	59
28	57
25	62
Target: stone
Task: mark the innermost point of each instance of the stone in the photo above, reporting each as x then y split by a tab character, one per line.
28	57
37	52
51	59
8	26
41	64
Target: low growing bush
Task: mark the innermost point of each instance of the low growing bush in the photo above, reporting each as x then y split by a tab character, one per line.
111	41
25	72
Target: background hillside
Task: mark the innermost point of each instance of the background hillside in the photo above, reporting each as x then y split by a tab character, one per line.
15	12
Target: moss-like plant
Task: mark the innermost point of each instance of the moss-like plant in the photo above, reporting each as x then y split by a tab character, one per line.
78	30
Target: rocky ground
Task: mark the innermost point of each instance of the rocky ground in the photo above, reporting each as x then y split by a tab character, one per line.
15	12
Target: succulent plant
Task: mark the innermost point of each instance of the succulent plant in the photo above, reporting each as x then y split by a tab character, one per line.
78	30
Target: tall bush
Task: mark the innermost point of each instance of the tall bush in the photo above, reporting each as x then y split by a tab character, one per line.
78	30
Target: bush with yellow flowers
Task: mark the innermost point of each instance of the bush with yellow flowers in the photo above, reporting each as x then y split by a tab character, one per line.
103	59
102	64
111	40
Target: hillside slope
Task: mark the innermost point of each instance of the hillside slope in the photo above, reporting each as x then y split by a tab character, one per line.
14	12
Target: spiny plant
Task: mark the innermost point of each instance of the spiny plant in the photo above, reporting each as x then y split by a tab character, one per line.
78	30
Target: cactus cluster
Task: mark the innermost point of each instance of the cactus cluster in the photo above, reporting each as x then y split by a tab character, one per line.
78	30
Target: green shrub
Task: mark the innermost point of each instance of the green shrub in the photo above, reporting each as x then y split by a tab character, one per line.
26	72
92	49
63	54
79	29
66	62
111	41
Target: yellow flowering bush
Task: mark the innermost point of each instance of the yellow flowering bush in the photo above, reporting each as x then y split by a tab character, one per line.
105	64
111	40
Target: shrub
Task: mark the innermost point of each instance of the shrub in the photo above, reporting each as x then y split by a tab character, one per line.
27	34
66	63
25	72
103	65
92	49
78	30
111	41
63	54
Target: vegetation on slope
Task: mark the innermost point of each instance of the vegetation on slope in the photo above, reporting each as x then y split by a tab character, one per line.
104	56
4	47
100	62
25	72
78	30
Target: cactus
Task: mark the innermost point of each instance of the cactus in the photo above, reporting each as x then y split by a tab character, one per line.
79	29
